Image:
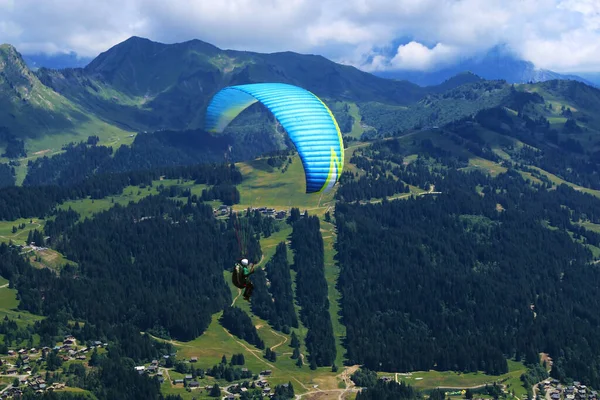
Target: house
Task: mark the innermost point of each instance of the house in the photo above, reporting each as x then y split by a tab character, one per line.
194	384
194	359
154	362
11	371
266	372
140	368
161	379
176	381
188	377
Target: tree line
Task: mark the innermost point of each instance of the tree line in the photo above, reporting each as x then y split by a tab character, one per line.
311	290
40	201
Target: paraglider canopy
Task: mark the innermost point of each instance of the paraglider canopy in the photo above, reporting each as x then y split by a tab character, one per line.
307	120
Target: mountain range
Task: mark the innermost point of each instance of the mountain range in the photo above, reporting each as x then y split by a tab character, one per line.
144	85
497	63
140	85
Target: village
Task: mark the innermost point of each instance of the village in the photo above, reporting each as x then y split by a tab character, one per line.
23	365
554	390
156	369
268	212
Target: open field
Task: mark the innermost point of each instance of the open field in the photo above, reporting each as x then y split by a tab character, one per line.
216	342
558	181
20	236
357	129
87	207
51	144
264	186
9	304
477	163
48	259
426	380
331	276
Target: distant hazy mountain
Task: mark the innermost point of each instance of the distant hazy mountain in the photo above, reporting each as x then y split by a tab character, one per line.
498	63
56	61
593	77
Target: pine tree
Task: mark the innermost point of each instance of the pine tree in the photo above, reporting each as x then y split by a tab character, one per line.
215	391
295	342
295	353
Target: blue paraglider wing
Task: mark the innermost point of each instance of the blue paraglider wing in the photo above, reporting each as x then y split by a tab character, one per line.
307	120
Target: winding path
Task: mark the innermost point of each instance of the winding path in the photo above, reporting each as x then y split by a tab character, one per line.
285	339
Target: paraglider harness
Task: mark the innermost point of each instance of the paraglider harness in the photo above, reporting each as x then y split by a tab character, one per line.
241	280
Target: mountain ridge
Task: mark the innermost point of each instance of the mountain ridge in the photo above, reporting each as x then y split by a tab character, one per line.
142	85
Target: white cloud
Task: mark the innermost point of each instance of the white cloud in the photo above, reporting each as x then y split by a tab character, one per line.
416	56
555	34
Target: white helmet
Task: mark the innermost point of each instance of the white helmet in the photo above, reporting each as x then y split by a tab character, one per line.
245	262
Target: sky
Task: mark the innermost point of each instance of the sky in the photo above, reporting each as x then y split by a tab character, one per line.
374	35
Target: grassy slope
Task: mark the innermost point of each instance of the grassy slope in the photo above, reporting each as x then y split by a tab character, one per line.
20	236
43	118
9	304
455	380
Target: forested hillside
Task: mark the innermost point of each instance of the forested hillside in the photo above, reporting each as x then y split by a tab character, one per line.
486	269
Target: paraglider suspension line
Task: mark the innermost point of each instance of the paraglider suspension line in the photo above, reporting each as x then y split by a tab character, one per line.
237	235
